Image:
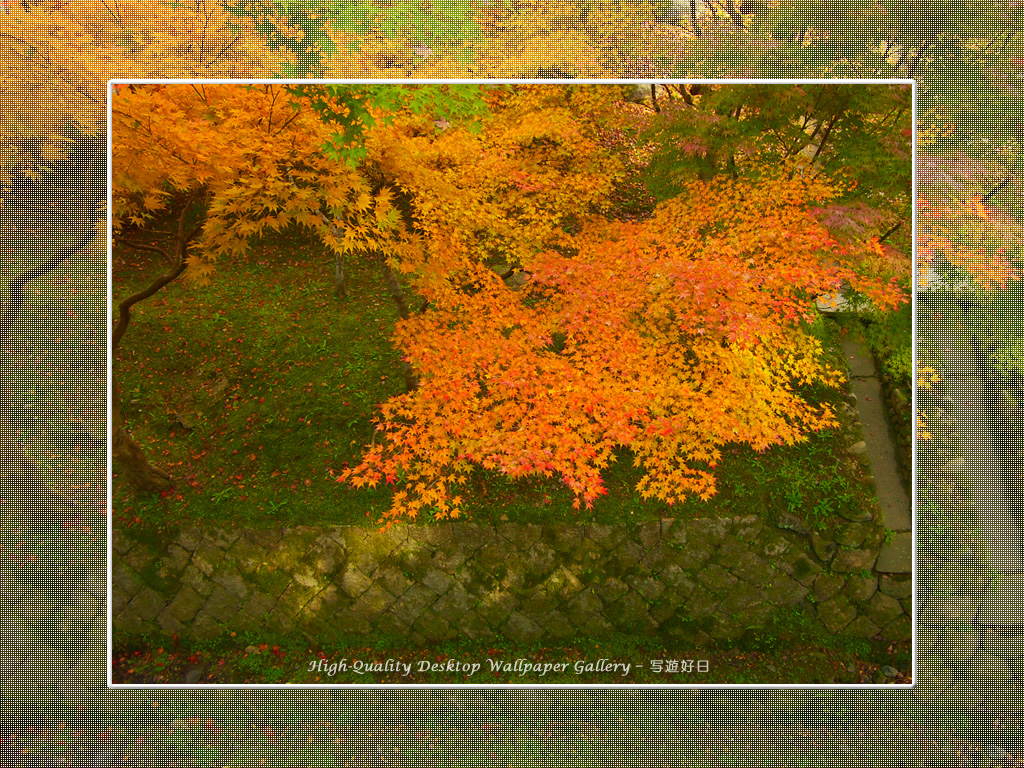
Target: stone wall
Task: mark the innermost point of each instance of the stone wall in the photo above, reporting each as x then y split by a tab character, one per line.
692	581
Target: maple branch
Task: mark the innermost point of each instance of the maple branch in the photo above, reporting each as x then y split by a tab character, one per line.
124	307
206	26
144	247
890	231
225	48
177	263
116	16
996	189
288	122
270	109
15	289
824	137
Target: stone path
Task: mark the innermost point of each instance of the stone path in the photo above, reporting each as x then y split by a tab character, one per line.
971	596
897	554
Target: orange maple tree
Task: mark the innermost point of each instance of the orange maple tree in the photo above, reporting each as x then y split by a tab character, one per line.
437	202
671	337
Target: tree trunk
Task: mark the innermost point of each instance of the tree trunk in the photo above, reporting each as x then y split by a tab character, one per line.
339	277
127	454
128	457
411	379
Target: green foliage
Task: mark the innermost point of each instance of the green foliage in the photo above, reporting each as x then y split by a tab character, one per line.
432	23
354	109
889	334
855	133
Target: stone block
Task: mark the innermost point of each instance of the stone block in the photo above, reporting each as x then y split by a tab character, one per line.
741	600
1003	601
782	590
648	534
147	604
773	545
434	536
587	554
453	603
861	627
991	671
594	626
540	560
189	538
373	602
562	584
605	536
327	556
716	579
220	538
824	548
411	605
860	588
353	582
895	585
556	624
701	604
675	532
258	605
731	550
437	581
852	535
788	521
836	614
752	569
896	555
206	627
171	626
959	643
584	606
392	579
476	628
537	602
998	641
611	590
324	603
882	609
206	557
176	558
449	560
648	587
390	625
564	538
657	556
434	628
677	582
522	629
849	560
930	683
232	581
185	605
632	613
494	607
221	605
